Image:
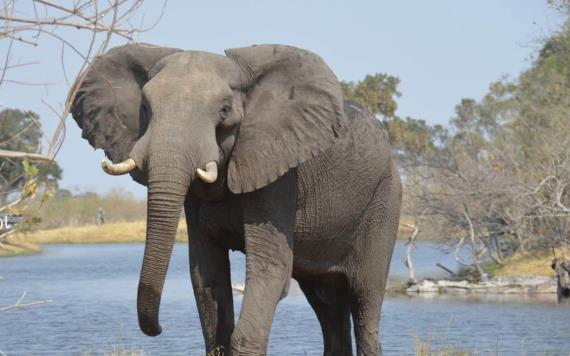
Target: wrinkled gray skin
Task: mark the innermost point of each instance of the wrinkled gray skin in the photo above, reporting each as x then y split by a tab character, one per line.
307	187
562	268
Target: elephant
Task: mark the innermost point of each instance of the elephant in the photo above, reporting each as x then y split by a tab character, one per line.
265	157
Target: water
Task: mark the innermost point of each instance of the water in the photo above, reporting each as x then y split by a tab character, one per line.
93	288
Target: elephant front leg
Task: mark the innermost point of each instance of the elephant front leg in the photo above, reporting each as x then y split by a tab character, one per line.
269	261
213	293
211	281
268	228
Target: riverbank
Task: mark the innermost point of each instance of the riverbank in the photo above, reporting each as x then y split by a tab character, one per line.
17	247
26	243
536	263
528	285
523	273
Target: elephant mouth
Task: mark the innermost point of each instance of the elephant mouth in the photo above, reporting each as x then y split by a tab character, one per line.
565	292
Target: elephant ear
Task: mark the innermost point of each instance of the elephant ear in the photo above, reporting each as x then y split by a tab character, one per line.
293	112
107	105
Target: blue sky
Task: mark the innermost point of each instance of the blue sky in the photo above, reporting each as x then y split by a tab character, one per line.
441	50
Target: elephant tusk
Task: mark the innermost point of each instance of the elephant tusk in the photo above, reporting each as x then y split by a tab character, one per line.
210	174
119	168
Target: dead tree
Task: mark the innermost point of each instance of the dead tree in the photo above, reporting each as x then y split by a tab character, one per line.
410	246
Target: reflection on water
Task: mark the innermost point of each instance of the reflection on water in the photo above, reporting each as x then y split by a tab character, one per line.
93	288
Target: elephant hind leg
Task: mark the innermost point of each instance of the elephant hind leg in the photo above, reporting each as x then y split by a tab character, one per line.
376	235
334	317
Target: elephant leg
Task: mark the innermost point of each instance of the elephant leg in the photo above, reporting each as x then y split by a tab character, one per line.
213	293
211	281
334	318
365	310
269	216
376	234
268	271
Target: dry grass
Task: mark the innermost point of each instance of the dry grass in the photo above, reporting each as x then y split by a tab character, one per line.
121	350
536	263
127	232
15	247
118	350
90	234
426	348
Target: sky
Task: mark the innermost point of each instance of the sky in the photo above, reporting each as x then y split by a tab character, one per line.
442	51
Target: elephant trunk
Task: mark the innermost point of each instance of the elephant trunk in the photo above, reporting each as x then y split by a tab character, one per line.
167	189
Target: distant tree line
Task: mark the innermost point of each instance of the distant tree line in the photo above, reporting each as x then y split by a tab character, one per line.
66	208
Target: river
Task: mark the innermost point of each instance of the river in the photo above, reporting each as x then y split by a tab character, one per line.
93	293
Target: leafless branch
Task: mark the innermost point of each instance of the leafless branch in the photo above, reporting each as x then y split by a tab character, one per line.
24	155
109	18
19	304
410	246
29	23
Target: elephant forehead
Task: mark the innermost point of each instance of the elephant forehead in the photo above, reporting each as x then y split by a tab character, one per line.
191	84
184	62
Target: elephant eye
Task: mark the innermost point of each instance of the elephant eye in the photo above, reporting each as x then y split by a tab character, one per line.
226	109
144	117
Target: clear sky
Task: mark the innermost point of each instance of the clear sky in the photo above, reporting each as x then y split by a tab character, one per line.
441	50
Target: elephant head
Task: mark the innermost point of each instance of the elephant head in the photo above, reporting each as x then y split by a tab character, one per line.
236	122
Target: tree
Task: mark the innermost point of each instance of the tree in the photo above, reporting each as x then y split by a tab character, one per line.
29	24
21	131
500	176
377	93
411	138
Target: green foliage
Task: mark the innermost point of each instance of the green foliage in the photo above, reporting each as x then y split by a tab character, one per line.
30	170
412	139
21	131
377	93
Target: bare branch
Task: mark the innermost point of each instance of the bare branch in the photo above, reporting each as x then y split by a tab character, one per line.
6	234
20	305
410	246
24	155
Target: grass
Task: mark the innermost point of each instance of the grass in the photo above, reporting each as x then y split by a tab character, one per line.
14	247
122	350
124	232
27	243
536	263
426	348
119	350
